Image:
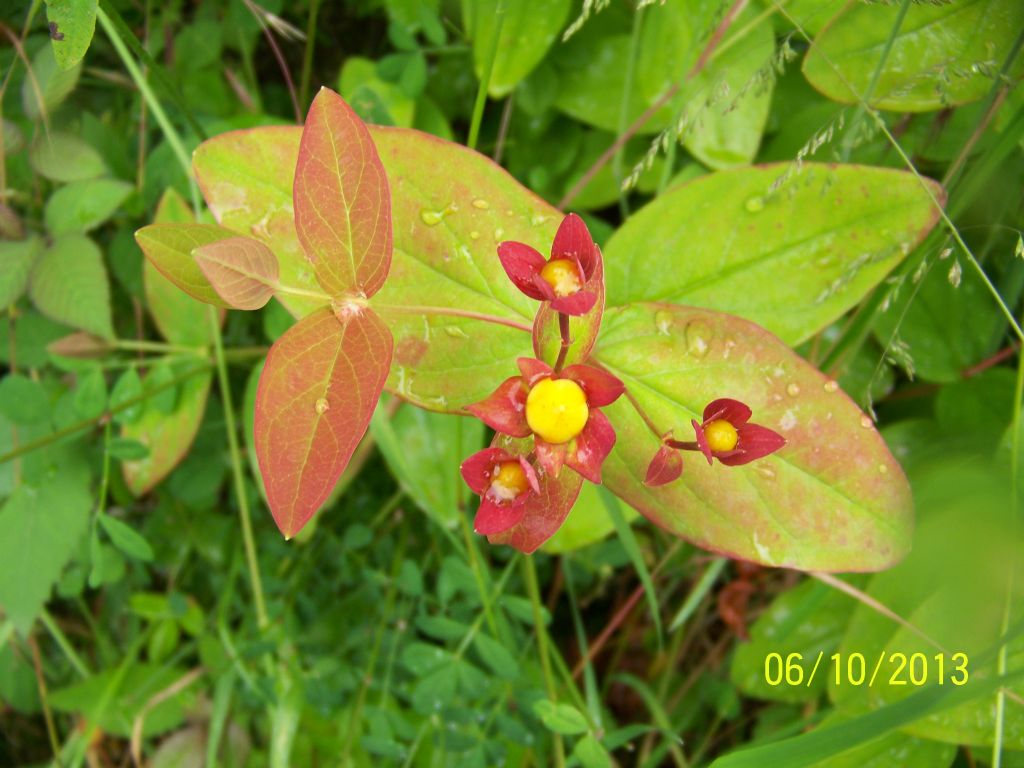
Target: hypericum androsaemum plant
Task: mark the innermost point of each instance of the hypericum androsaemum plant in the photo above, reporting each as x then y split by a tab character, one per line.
415	264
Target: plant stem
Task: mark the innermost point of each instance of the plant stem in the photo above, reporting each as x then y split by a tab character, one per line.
563	332
64	644
307	56
237	473
530	575
485	81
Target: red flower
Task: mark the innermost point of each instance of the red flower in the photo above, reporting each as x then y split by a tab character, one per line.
562	279
559	410
726	435
504	483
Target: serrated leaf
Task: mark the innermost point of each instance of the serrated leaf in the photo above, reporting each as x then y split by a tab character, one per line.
169	248
168	436
242	270
943	55
834	498
341	200
42	526
83	205
69	284
16	260
525	32
724	241
73	23
317	392
49	86
61	156
126	538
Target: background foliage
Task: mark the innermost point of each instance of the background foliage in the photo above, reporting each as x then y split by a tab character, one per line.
151	610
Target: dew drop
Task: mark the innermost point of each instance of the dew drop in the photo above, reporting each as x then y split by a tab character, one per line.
793	389
698	338
765	471
730	343
831	386
866	422
431	218
474	235
322	405
788	421
482	204
537	219
499	233
882	469
754	204
663	322
455	332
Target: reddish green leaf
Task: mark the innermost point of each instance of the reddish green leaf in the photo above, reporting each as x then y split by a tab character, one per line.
833	498
167	435
316	395
242	270
169	247
179	317
341	200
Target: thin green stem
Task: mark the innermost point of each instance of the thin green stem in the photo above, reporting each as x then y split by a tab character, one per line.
64	644
530	575
177	147
307	56
237	472
485	80
157	346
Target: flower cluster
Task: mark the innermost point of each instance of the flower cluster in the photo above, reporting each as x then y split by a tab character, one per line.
548	418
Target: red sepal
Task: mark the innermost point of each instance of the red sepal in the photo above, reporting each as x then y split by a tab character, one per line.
492	518
592	447
733	411
505	410
478	469
575	304
533	370
600	386
573	241
753	442
666	466
523	265
702	439
551	457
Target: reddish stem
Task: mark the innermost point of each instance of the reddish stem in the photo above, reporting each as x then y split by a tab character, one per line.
563	331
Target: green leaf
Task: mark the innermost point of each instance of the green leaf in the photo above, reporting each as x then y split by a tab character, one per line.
126	449
84	205
591	754
496	656
525	32
65	157
169	248
792	261
943	55
893	750
834	498
127	389
69	284
23	400
73	23
420	449
126	538
16	260
560	718
167	435
91	393
41	529
49	86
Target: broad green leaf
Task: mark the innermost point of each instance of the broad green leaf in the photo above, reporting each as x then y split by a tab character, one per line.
23	400
41	527
524	32
73	23
179	317
810	15
952	588
342	203
808	619
126	538
16	260
169	248
48	86
242	270
792	260
894	750
167	435
84	205
943	55
422	449
375	100
560	718
61	156
69	284
446	290
317	392
832	499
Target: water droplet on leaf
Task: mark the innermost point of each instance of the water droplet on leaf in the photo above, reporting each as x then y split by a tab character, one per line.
474	235
698	338
322	405
754	204
831	386
482	204
793	389
866	422
663	322
455	332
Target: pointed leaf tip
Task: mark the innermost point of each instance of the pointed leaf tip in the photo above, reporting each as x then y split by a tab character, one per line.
242	271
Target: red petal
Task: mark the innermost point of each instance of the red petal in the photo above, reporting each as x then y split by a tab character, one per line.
522	264
494	518
666	466
755	442
478	468
550	457
575	304
531	474
505	410
733	411
543	287
533	369
545	512
600	386
702	439
573	241
592	447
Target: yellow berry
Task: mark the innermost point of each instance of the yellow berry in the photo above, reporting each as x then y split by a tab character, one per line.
556	410
509	481
721	435
562	275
